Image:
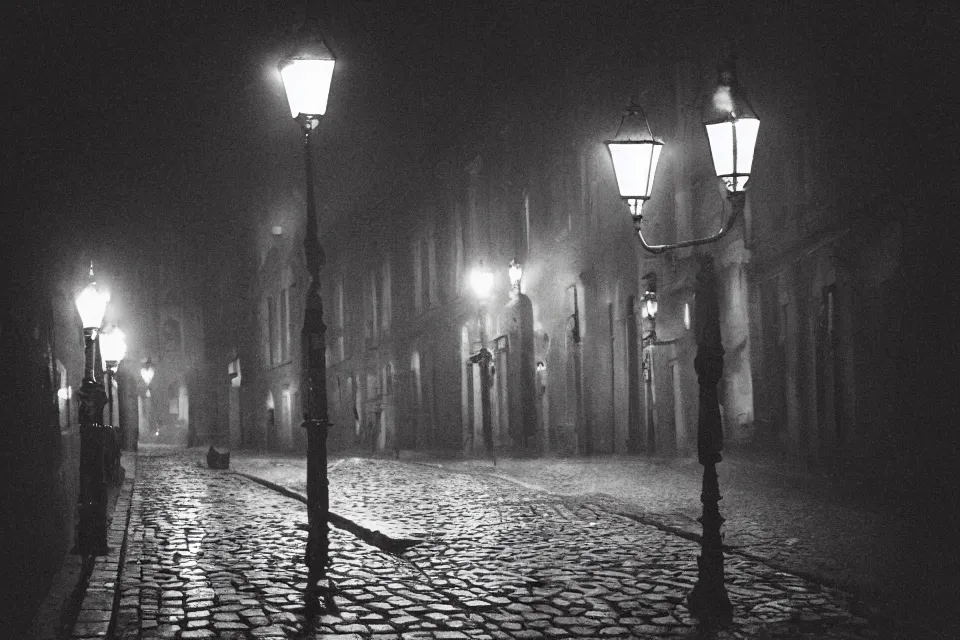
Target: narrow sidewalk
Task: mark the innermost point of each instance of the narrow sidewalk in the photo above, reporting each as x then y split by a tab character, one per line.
82	594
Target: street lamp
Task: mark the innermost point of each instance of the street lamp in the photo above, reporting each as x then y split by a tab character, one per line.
516	274
635	153
481	281
648	310
731	126
146	374
92	528
113	348
307	77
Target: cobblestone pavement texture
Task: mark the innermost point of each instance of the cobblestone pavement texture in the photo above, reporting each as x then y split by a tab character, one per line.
843	532
213	555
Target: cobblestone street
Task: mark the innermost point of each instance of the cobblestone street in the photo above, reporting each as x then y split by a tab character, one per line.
214	555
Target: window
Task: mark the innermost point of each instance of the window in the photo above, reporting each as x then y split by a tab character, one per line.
272	330
387	384
372	323
526	224
386	306
284	324
458	248
784	317
339	341
63	396
425	290
417	278
432	292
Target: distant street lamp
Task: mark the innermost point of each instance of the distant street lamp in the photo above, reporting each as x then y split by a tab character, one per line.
307	77
146	374
92	528
113	348
516	275
481	282
731	126
649	310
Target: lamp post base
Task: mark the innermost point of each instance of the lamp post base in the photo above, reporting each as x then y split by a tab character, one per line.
318	506
92	515
708	602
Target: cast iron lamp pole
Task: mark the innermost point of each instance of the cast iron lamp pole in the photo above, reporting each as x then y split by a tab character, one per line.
481	281
92	527
306	78
731	126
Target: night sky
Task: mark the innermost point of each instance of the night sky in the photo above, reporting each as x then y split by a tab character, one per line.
138	115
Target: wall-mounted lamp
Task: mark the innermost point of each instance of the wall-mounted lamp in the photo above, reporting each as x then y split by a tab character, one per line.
516	273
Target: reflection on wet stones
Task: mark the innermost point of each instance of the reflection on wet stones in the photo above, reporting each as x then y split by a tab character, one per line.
218	556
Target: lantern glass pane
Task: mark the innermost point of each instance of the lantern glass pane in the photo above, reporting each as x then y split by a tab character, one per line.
651	307
732	143
307	83
635	165
747	129
720	135
92	304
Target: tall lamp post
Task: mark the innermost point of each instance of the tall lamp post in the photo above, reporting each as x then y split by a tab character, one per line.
307	76
92	528
481	281
731	126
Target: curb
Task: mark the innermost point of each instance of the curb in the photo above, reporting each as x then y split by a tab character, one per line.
102	591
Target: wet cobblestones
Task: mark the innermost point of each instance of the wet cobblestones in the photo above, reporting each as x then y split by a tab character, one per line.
213	555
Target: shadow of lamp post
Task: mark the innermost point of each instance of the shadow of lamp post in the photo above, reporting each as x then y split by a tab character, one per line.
731	126
481	282
92	526
307	76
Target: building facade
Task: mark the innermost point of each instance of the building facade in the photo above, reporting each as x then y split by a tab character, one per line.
529	180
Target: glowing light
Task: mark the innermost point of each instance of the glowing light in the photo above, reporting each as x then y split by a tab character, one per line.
732	144
732	126
481	281
146	373
307	83
92	304
516	273
651	307
113	346
635	154
635	164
